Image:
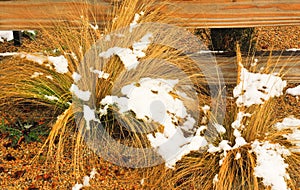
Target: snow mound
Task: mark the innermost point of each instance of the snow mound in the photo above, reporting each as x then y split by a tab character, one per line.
255	88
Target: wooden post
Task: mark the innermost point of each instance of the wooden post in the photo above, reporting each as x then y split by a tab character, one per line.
17	38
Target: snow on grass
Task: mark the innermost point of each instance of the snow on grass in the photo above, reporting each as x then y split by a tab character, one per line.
129	57
224	146
294	137
294	91
255	88
36	74
8	54
220	129
76	77
6	35
37	57
49	77
136	18
293	49
237	124
270	165
60	63
86	180
94	27
288	123
209	51
254	63
205	109
51	98
77	186
152	100
216	179
89	115
101	74
83	95
238	156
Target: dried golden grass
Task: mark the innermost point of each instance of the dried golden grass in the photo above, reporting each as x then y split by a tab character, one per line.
196	170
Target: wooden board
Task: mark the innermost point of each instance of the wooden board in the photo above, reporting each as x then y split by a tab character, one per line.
32	14
288	64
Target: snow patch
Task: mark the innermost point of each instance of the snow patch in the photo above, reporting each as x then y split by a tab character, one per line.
293	49
294	91
37	57
294	137
51	98
83	95
89	115
136	18
6	35
76	77
238	156
205	109
270	164
94	27
60	63
288	123
216	179
237	124
255	88
49	77
86	180
129	57
253	64
8	54
101	74
151	100
36	74
220	129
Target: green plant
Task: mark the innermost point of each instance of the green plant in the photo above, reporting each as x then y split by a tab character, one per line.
29	131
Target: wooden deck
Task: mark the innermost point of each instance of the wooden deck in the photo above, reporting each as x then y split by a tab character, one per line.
32	14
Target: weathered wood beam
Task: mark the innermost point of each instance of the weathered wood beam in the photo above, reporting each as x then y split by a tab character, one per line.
287	63
32	14
18	15
234	13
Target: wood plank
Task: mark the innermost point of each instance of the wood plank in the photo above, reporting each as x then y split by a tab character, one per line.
16	15
32	14
287	64
243	13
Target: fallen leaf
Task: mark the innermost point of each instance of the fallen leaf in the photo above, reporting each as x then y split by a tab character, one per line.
18	174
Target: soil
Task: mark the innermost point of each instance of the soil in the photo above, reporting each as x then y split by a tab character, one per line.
17	171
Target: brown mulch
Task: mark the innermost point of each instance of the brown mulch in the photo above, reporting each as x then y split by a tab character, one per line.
267	38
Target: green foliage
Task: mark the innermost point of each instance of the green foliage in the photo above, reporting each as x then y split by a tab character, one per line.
30	34
30	131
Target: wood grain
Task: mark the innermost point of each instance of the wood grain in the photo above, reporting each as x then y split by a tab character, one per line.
289	65
32	14
286	63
